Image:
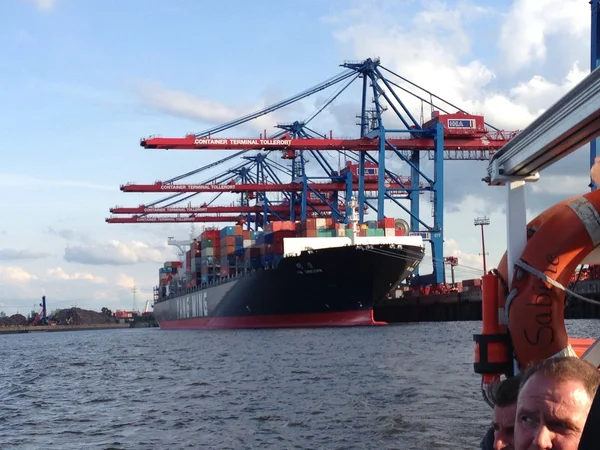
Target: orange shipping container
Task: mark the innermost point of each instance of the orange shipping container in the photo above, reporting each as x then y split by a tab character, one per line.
311	224
229	250
228	241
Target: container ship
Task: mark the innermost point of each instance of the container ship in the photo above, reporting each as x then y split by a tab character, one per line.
312	273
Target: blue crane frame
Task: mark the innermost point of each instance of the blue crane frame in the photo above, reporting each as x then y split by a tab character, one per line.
371	126
369	70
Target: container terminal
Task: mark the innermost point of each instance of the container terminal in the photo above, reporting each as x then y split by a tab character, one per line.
297	177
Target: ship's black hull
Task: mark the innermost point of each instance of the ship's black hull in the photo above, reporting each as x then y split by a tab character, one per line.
327	287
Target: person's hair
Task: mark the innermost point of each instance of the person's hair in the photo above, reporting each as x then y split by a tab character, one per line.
566	368
505	393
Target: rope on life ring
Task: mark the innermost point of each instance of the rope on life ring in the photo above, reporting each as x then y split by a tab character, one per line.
535	305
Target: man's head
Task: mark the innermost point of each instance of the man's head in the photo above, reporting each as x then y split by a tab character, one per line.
504	398
554	401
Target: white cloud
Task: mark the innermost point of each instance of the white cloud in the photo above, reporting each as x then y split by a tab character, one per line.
44	5
434	44
525	102
538	92
117	253
125	281
60	274
529	23
12	274
184	104
437	54
560	185
470	265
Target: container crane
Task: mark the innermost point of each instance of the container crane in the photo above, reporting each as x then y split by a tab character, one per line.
447	135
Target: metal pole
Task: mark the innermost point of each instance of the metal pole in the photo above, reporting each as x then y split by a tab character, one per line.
44	314
482	221
483	248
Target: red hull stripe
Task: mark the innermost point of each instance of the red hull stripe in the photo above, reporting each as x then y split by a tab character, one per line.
334	319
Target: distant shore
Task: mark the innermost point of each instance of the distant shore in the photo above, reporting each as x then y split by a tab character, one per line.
16	329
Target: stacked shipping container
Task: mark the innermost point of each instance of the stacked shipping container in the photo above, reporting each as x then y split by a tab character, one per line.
270	242
232	250
233	239
326	227
169	271
210	255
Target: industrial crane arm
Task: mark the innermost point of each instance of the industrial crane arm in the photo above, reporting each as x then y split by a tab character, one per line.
211	209
191	142
290	187
180	219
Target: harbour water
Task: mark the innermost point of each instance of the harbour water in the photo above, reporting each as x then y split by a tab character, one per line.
408	386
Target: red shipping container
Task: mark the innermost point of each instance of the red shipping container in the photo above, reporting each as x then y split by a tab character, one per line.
387	222
210	234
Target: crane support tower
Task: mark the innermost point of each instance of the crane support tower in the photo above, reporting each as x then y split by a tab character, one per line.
367	175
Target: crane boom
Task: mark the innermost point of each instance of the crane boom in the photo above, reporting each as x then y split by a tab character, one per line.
210	209
456	143
289	187
179	219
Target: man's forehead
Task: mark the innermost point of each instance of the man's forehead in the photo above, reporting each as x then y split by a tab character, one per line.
540	387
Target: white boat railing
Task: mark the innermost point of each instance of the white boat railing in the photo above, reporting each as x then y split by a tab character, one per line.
569	124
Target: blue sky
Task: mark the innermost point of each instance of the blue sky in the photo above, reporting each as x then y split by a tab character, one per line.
83	81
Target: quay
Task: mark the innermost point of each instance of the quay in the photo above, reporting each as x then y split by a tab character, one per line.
16	329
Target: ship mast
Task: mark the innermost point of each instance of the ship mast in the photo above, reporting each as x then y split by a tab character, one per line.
353	220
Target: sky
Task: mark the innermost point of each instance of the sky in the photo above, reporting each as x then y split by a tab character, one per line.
83	81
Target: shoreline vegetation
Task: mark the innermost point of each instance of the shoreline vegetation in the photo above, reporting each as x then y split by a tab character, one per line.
74	319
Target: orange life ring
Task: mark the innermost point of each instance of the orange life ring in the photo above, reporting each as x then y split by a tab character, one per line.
536	307
579	345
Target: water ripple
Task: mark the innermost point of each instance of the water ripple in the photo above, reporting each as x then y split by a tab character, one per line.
407	386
